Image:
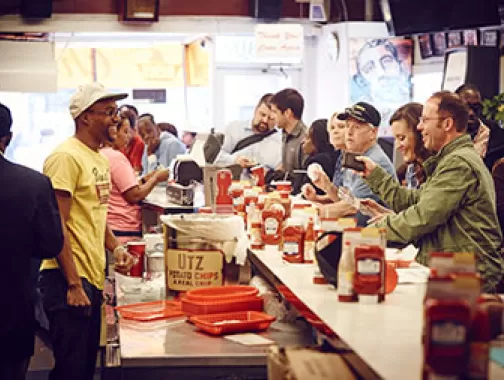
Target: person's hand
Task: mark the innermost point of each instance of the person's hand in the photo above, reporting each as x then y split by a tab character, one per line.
123	260
245	162
309	192
369	165
373	208
162	175
76	296
322	181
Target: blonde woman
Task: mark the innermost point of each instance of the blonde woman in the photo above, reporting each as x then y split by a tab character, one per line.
336	129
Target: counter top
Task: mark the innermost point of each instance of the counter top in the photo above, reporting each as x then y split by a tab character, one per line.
386	336
177	343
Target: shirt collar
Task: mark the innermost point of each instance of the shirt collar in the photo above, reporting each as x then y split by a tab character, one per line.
298	129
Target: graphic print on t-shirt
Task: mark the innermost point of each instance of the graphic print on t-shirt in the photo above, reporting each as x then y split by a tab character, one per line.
102	181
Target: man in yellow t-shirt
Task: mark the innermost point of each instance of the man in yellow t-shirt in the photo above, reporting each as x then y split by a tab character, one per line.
71	285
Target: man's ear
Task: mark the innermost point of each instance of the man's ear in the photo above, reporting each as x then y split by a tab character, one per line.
448	124
84	118
5	140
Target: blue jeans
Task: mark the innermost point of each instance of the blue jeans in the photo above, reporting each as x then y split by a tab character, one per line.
74	331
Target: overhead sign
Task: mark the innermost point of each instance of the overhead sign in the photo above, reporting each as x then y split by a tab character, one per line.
280	41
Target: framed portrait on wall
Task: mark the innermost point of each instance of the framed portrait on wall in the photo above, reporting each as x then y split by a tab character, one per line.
454	39
425	43
490	38
471	37
439	43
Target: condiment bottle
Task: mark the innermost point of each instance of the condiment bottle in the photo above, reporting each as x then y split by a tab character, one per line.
309	242
223	200
255	236
271	225
447	323
369	277
238	199
345	275
286	202
293	242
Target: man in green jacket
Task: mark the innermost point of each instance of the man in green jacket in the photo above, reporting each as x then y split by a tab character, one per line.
454	210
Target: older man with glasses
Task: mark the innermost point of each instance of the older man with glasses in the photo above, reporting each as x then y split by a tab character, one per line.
71	285
362	122
454	210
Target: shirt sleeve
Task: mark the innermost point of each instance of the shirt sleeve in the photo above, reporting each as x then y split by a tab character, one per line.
145	162
170	150
122	173
136	154
48	233
439	201
63	171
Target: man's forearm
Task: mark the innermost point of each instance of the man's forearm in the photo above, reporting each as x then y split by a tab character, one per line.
111	242
66	262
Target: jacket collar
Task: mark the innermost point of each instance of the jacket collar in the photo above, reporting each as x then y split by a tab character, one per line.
463	141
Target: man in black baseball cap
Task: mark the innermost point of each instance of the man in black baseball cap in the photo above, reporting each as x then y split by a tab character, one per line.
363	112
30	229
362	121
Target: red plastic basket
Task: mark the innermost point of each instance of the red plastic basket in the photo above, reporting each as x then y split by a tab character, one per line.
191	307
226	323
151	311
221	293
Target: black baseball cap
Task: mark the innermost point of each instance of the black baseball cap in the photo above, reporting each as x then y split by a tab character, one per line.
364	112
5	120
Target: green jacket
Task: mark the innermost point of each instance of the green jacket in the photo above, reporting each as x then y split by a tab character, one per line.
453	211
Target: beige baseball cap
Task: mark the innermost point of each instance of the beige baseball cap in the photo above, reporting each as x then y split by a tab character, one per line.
89	94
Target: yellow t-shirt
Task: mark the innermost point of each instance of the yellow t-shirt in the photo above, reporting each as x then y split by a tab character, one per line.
85	174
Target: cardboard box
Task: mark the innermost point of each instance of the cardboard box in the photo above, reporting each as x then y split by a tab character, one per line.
306	363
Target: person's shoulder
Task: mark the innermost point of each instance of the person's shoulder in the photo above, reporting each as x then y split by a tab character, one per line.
26	175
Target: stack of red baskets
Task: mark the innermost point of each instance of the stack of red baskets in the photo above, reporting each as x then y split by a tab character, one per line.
226	309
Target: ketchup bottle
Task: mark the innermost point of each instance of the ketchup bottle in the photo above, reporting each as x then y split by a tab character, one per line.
369	277
293	242
223	200
447	324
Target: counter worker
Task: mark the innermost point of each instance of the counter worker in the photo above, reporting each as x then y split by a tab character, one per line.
71	286
30	230
250	143
124	211
161	148
454	210
135	148
362	122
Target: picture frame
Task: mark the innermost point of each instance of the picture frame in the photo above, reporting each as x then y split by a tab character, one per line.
454	40
490	38
470	37
425	43
439	44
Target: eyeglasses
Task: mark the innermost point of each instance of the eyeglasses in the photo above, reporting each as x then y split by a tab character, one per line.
424	119
110	112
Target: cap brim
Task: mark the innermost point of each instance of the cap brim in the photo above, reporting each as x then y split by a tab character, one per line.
119	96
347	115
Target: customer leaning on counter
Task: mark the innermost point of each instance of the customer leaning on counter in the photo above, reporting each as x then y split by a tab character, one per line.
124	214
454	210
72	286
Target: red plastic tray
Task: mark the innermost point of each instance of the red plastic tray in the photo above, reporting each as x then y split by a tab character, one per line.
191	307
151	311
225	323
221	293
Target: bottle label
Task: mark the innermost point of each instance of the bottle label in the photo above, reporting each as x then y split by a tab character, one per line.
368	266
291	248
238	201
308	250
345	286
271	226
448	333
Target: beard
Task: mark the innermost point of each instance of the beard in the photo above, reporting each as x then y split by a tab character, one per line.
261	127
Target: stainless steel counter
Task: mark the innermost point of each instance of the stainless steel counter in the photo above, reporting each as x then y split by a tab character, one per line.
180	344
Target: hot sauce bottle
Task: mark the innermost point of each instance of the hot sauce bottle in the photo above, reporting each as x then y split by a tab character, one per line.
447	324
223	200
369	277
345	275
309	242
293	242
